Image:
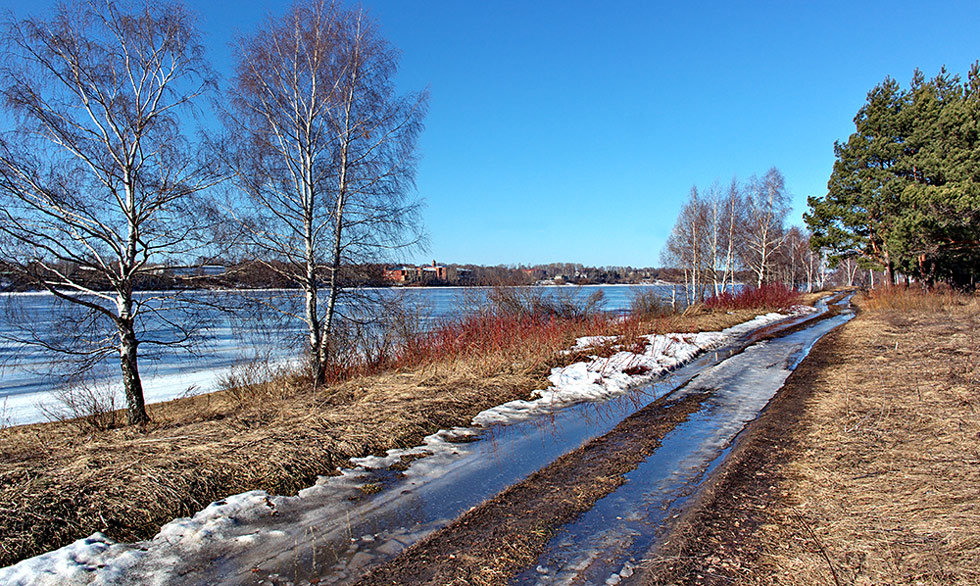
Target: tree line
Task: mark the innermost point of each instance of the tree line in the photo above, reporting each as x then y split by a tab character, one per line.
722	233
904	194
110	166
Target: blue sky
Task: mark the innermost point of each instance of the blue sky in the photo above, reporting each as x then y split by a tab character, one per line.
572	131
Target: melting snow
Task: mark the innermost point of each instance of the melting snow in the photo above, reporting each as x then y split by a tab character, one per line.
98	560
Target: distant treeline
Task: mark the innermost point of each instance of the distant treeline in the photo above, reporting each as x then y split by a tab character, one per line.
256	275
569	273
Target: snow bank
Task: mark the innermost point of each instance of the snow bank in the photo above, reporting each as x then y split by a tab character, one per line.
603	378
77	563
98	560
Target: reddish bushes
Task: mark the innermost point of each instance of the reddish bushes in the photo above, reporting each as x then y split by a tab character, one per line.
521	327
489	334
772	296
517	325
485	339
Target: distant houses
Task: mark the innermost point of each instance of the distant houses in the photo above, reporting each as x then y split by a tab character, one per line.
190	271
434	273
200	271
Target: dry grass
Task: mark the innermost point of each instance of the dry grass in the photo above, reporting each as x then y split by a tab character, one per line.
58	484
914	299
885	488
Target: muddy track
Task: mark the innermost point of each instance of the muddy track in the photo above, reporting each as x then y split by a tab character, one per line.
506	534
723	519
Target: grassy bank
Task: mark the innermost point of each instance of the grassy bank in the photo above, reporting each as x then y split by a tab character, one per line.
865	468
62	481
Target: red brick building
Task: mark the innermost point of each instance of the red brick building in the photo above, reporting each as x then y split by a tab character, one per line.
400	274
409	274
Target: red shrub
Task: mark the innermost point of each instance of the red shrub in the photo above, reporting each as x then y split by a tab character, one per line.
772	296
484	336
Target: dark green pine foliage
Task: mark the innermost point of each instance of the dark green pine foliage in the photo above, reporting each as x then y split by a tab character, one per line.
904	193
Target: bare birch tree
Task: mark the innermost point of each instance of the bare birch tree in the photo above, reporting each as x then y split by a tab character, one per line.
715	220
324	154
97	180
688	245
810	260
850	269
732	220
766	206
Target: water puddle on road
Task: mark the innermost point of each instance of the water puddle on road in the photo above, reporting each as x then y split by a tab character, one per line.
605	544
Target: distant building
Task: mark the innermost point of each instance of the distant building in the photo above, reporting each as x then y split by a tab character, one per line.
435	272
536	274
195	271
400	274
203	270
422	274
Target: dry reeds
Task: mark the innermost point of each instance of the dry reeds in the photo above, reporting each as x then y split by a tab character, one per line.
909	299
515	325
773	296
648	304
89	407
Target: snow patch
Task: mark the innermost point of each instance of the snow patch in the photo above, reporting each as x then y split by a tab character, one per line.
212	523
603	378
77	563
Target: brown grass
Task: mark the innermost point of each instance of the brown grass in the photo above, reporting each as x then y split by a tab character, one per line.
888	481
913	299
58	485
870	474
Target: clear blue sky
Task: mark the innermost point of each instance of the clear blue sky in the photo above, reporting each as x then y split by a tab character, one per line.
572	131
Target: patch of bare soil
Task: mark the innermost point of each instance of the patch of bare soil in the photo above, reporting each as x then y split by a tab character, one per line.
59	484
865	469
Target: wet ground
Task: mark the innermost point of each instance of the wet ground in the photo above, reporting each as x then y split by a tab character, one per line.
338	530
606	544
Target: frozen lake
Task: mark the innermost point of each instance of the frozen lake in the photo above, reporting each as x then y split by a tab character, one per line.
28	373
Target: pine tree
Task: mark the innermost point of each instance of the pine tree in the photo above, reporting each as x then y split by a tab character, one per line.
905	189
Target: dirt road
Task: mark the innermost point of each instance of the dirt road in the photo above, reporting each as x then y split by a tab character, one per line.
590	516
864	470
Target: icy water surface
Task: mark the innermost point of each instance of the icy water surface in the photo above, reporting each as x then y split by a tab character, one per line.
27	374
604	545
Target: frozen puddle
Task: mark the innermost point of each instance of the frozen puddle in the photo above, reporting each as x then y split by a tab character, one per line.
335	530
605	544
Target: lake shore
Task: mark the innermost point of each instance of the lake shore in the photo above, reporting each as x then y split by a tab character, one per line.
60	483
28	374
